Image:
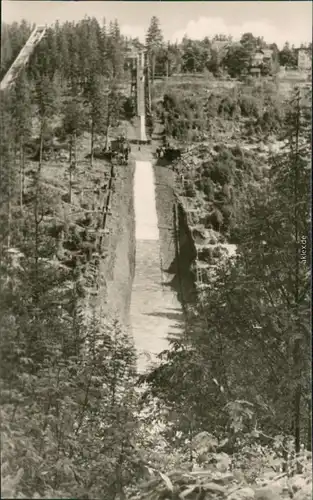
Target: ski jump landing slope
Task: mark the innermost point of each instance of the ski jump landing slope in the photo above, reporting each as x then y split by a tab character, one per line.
152	305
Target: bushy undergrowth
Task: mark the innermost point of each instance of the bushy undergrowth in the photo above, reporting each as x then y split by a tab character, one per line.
190	116
218	178
202	466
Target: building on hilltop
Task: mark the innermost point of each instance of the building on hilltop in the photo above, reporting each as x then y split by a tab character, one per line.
267	55
258	57
304	59
262	62
262	56
256	63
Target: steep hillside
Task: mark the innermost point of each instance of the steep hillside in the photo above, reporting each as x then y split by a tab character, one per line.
226	136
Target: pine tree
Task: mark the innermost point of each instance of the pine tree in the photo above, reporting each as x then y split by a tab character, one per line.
6	49
62	54
73	124
95	93
113	110
103	47
74	70
88	31
291	179
47	100
115	51
95	39
8	170
285	209
154	42
21	113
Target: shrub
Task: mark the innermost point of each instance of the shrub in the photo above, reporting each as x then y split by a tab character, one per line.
212	105
271	120
215	219
129	108
226	211
221	170
190	189
249	106
208	188
228	107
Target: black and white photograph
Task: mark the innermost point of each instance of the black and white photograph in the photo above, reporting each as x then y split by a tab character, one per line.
155	250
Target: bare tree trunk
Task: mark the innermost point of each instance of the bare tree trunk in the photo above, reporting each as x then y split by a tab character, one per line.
9	205
190	432
71	149
149	90
153	67
22	173
70	185
72	161
37	222
41	148
107	132
75	149
178	259
309	430
119	475
92	143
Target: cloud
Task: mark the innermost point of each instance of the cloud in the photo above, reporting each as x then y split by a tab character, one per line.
210	26
134	31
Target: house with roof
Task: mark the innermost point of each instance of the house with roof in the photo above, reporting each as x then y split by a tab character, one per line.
260	58
267	55
256	63
304	59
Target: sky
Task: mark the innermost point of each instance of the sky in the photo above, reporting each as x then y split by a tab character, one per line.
276	21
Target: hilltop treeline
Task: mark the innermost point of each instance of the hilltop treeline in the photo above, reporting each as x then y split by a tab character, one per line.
77	49
189	116
74	50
